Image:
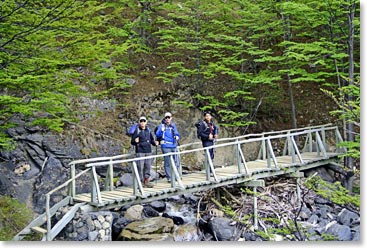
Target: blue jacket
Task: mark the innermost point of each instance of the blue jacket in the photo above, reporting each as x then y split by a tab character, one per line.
167	136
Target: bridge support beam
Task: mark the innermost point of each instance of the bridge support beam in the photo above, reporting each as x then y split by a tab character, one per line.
255	184
298	175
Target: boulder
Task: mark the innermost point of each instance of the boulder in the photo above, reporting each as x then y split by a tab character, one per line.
152	229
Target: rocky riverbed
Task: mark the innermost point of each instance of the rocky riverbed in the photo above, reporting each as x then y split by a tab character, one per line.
199	217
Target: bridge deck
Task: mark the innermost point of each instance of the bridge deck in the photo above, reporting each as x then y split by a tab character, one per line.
197	181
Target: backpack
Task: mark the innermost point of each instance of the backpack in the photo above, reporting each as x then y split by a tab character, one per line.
157	139
161	138
197	125
133	129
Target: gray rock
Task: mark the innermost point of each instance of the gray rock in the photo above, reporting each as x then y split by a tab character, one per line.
356	234
156	228
187	232
160	206
346	217
92	236
222	229
134	213
341	232
125	180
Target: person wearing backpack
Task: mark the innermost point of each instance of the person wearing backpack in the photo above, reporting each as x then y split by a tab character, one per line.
169	137
142	139
208	132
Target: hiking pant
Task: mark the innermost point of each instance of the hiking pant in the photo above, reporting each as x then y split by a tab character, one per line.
167	161
144	165
207	143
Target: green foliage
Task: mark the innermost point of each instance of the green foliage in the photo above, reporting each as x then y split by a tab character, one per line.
334	192
183	103
252	45
350	111
14	216
48	50
328	237
53	50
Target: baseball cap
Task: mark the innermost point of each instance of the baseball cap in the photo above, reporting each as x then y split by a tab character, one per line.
167	114
142	118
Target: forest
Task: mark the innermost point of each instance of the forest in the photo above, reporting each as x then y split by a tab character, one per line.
256	65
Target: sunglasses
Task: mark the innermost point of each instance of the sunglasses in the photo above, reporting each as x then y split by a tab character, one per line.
167	117
142	120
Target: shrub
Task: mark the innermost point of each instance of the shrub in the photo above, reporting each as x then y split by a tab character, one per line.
14	216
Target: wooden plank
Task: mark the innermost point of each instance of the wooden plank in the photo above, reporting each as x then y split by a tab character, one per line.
82	198
194	179
199	177
125	190
39	229
228	173
109	199
115	193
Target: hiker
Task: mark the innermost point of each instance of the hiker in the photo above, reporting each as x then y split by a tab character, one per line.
208	133
169	136
142	139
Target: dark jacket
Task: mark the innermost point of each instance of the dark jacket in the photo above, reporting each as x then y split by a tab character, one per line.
168	135
145	140
205	129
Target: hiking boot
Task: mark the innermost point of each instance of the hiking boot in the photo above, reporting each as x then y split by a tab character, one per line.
147	184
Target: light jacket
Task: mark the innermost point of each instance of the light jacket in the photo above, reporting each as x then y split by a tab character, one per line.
167	135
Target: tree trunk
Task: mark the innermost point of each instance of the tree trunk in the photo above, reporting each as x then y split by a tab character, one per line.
293	106
350	126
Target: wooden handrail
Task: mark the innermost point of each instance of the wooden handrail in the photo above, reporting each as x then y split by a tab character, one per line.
206	148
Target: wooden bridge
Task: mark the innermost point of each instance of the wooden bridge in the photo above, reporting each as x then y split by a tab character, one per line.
287	152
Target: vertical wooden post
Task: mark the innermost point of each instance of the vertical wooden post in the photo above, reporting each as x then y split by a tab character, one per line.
244	162
96	193
207	167
263	147
48	218
268	156
239	159
109	177
136	180
72	184
298	181
256	222
93	193
292	151
323	135
298	175
255	184
173	175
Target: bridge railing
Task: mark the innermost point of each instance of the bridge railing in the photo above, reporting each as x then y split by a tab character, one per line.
314	138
